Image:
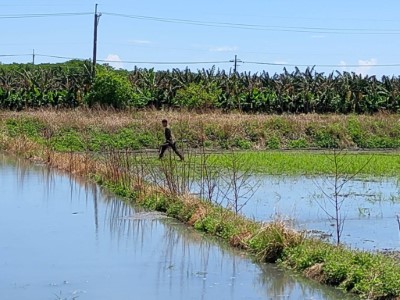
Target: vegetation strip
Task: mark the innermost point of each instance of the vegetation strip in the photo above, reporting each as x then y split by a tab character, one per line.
70	84
372	276
81	130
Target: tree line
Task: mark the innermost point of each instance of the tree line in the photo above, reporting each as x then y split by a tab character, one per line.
70	84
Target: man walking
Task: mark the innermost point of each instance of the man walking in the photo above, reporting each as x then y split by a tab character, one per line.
169	141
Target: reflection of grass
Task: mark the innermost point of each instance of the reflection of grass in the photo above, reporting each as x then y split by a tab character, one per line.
312	162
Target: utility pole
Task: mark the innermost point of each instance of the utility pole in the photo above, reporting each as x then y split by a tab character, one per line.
96	23
235	61
33	57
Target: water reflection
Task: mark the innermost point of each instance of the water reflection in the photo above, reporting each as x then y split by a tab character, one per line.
185	254
88	244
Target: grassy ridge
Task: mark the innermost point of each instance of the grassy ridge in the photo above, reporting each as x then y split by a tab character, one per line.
214	130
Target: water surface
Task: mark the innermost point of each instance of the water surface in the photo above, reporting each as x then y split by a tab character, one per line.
370	207
63	239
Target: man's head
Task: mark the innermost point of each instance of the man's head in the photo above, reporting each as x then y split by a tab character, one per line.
164	122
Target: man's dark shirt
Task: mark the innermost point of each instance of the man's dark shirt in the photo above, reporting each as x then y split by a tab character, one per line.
168	135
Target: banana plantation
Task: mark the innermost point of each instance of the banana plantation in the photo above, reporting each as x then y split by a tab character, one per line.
70	84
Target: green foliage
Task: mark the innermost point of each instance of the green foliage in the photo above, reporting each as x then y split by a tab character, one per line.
269	243
221	223
118	188
327	137
125	138
67	84
356	132
242	144
156	202
273	143
278	162
300	143
110	89
198	96
68	139
28	127
56	85
279	124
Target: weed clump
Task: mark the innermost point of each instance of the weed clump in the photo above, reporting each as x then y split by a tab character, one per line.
269	242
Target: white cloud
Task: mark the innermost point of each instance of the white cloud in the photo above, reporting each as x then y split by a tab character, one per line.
139	42
223	49
365	65
114	60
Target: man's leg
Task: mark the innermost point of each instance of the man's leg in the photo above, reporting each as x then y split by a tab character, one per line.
173	146
163	147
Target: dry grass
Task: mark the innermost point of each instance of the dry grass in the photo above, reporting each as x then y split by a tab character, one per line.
112	120
315	272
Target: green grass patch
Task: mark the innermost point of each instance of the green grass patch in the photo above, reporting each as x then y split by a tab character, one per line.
28	127
313	162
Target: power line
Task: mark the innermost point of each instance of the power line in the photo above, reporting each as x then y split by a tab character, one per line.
165	62
300	29
59	57
128	61
14	55
322	65
25	16
207	62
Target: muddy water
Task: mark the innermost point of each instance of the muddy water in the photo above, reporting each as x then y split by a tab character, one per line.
60	239
370	207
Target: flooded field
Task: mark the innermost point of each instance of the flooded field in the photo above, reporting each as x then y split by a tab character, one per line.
61	239
371	207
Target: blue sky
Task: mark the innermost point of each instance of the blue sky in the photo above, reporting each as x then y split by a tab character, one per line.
358	36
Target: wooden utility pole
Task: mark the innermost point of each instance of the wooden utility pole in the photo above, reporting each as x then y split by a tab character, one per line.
96	23
235	61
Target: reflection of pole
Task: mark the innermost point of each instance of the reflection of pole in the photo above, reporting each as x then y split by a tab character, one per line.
96	23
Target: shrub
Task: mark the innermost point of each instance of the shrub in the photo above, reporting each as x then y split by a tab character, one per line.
198	96
300	143
273	143
110	89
